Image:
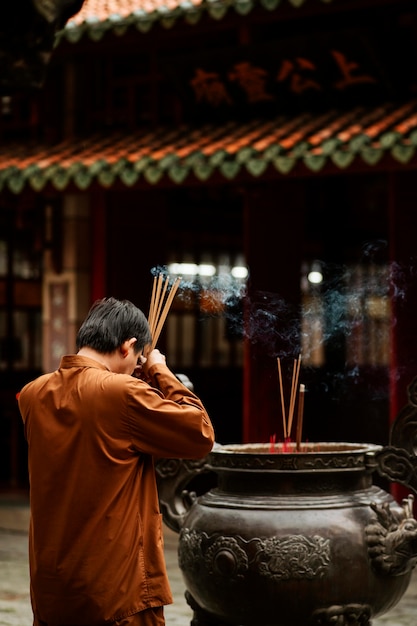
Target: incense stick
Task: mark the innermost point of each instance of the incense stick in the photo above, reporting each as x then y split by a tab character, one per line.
282	398
158	310
287	423
156	292
295	375
300	417
152	303
164	313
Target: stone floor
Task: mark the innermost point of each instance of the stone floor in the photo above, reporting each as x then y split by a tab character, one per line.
14	581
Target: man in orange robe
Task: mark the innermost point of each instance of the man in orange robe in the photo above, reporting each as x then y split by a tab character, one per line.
93	430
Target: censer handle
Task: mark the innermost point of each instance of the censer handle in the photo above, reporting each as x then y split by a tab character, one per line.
392	538
398	460
180	482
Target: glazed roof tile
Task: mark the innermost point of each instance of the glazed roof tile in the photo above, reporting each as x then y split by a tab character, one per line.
96	17
308	141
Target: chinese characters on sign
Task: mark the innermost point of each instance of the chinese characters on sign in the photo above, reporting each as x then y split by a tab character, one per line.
297	75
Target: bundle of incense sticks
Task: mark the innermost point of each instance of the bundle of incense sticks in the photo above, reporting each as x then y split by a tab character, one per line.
287	422
161	300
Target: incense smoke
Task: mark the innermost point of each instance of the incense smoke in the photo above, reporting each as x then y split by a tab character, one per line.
337	308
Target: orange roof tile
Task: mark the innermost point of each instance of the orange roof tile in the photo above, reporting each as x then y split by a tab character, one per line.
175	153
98	16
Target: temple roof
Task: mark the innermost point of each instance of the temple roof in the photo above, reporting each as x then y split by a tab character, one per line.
99	16
308	142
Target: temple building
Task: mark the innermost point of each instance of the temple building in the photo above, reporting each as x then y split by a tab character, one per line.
264	151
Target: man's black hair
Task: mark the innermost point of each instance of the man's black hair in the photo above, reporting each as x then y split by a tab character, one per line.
111	322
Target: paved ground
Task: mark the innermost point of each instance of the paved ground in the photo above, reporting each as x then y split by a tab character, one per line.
14	582
15	609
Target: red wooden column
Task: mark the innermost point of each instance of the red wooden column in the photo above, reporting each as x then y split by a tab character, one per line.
274	248
403	256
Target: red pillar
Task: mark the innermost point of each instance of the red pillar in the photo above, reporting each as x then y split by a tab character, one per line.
403	258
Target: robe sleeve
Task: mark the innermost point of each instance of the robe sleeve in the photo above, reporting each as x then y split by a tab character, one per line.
166	419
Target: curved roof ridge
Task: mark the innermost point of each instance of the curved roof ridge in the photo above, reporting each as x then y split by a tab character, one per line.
97	17
178	153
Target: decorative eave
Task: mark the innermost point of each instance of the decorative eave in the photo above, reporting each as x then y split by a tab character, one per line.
97	17
176	155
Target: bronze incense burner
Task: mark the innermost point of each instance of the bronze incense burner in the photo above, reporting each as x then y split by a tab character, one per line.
294	538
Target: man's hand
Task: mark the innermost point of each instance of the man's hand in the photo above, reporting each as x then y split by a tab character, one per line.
145	363
155	356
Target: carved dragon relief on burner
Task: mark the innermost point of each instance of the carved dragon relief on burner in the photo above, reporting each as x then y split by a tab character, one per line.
277	558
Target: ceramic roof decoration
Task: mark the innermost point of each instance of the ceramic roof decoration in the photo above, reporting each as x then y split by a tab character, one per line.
361	135
100	16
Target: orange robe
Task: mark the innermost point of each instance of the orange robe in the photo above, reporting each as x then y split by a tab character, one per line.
95	539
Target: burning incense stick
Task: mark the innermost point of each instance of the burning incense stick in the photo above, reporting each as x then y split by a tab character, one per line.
155	297
164	313
294	386
300	417
158	309
287	424
282	398
160	297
